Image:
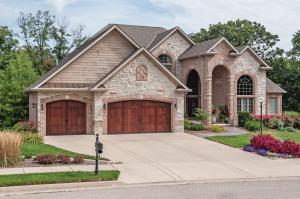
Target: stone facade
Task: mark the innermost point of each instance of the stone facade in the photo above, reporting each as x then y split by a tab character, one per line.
142	78
124	86
219	74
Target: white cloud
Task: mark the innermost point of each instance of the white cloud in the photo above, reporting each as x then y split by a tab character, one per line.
59	5
279	16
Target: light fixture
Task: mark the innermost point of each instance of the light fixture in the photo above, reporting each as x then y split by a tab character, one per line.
42	107
104	107
33	105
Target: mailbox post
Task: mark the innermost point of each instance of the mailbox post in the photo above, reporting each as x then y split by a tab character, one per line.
98	149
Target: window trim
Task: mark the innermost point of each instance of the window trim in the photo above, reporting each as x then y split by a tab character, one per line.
276	105
254	91
170	65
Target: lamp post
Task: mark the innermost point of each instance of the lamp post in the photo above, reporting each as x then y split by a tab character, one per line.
261	122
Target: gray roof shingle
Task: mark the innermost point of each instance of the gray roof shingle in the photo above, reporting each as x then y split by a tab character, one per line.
160	37
142	35
199	48
273	88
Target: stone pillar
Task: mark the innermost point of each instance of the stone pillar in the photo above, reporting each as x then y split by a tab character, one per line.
208	98
231	100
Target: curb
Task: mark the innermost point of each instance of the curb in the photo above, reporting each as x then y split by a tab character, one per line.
79	186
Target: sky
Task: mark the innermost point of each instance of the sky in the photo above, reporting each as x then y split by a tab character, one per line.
280	17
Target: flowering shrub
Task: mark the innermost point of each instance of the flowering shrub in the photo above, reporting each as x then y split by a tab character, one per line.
63	159
249	148
45	159
288	119
78	160
267	142
24	126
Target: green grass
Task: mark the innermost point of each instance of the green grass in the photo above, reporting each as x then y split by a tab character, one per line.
57	177
29	150
239	141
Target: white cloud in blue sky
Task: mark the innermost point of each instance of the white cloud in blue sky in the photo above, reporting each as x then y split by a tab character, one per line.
279	16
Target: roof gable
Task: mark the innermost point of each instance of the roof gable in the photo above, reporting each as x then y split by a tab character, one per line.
273	88
205	48
160	38
125	62
244	49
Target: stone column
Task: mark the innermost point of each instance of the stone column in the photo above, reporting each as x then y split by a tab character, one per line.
208	97
231	100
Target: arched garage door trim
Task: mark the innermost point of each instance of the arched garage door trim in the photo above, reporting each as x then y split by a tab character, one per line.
66	117
139	116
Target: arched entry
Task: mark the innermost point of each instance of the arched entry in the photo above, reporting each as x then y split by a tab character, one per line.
193	99
220	91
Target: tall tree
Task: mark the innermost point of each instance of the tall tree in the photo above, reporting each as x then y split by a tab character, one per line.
46	40
14	79
66	39
8	45
295	51
241	32
36	33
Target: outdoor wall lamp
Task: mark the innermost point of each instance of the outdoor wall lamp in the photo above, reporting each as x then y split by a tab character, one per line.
33	105
104	107
42	107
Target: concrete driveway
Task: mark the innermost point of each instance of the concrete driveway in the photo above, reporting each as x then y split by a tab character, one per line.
177	157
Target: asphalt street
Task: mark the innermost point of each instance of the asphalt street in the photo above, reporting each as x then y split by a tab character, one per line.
266	189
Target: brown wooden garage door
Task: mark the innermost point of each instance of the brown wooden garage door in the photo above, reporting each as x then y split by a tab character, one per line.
138	116
66	117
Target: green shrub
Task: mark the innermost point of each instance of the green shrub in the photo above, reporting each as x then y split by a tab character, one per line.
243	117
217	128
200	114
187	124
252	125
196	127
291	113
275	123
32	138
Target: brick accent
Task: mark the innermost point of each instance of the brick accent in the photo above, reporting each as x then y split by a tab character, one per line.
236	66
173	46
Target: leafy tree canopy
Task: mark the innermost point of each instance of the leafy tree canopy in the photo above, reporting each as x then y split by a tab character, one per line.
7	45
13	81
240	32
46	39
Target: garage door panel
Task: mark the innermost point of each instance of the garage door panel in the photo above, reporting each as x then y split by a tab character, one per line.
65	117
115	123
138	116
148	117
132	117
163	119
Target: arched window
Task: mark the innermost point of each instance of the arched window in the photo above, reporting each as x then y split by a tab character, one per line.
166	61
245	85
245	95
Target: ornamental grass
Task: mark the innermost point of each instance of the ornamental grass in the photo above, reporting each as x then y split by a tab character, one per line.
10	144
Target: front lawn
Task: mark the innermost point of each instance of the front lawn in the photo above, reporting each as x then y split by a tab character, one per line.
239	141
57	177
29	150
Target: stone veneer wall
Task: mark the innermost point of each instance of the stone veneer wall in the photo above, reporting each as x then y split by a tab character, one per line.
97	61
44	97
173	46
124	86
236	66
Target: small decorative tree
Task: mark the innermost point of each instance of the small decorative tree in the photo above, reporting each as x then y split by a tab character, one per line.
200	115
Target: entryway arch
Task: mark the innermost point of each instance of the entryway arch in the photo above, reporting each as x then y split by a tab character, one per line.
193	98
